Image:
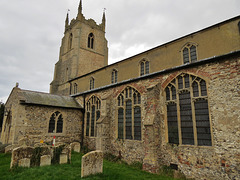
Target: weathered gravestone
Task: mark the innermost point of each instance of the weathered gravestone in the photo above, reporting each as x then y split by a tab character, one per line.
92	163
75	146
21	153
45	160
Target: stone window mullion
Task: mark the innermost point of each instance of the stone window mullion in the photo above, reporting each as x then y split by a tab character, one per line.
193	114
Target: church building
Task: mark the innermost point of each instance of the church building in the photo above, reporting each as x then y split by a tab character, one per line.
175	105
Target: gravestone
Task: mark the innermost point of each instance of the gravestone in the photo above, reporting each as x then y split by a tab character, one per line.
75	146
45	160
20	153
92	163
63	159
25	162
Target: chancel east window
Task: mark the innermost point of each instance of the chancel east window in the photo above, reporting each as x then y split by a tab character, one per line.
114	76
56	123
92	83
90	40
93	114
189	53
129	114
144	67
187	111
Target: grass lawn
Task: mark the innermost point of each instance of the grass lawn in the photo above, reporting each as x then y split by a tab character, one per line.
111	171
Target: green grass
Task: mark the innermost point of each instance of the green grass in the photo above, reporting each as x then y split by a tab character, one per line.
111	170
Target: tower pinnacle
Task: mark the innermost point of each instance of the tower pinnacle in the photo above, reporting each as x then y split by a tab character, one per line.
80	7
104	19
66	21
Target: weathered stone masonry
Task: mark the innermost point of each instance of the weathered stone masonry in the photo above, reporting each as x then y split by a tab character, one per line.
219	160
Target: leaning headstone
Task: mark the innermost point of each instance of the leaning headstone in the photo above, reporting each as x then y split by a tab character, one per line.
63	159
45	160
75	146
20	153
24	162
92	163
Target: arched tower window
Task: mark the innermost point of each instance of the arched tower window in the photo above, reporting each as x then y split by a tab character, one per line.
93	107
129	114
144	67
187	111
92	83
189	53
70	41
114	76
90	40
56	123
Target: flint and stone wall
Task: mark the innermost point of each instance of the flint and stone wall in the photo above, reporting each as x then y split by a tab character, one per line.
221	160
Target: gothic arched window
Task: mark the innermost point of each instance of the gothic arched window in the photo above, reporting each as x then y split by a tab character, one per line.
129	114
144	67
90	40
93	106
189	53
114	76
56	123
187	111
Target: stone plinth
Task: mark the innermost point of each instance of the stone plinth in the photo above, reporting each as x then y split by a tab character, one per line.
92	163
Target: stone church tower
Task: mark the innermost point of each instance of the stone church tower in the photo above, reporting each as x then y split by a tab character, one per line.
83	50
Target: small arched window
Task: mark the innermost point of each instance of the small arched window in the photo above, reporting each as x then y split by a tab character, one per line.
70	41
93	107
56	123
144	67
92	83
75	88
189	53
114	76
90	40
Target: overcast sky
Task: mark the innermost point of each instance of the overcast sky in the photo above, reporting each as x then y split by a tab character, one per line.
31	31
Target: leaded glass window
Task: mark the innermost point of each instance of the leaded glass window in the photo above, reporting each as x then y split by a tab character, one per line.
55	123
93	109
187	111
129	114
189	53
144	67
114	76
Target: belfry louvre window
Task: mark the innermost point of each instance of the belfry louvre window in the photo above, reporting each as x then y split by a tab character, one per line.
93	114
56	123
144	67
92	83
189	53
114	76
187	111
129	114
90	40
